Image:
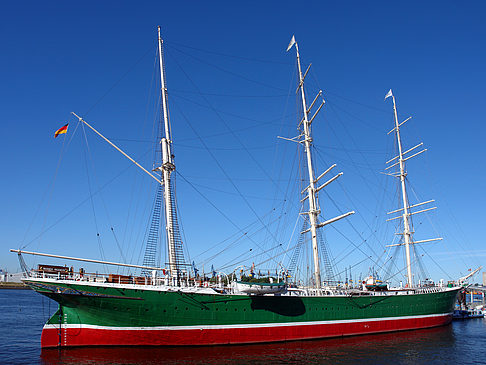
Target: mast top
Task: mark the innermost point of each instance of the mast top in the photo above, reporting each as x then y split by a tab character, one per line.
291	44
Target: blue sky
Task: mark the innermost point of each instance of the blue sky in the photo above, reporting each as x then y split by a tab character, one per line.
232	85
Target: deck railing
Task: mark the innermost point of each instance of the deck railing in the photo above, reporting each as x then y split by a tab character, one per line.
219	286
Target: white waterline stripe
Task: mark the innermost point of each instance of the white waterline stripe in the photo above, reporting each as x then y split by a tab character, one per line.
234	326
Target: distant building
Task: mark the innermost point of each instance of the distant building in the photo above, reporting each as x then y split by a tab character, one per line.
7	277
484	278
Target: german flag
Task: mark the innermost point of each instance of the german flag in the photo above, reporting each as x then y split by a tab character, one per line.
61	130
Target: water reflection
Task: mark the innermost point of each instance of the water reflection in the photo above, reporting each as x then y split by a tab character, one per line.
412	347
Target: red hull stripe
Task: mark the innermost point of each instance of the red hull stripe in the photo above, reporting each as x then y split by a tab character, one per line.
84	335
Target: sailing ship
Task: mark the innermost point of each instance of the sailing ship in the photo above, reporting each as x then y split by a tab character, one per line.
170	307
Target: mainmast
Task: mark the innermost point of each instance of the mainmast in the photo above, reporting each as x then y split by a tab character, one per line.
313	212
167	168
306	139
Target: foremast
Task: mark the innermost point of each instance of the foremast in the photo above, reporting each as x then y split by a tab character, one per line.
407	235
406	208
305	138
166	169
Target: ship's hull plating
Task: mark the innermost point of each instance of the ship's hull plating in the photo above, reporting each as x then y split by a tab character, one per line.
92	315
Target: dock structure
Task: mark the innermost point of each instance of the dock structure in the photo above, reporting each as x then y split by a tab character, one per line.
481	289
465	298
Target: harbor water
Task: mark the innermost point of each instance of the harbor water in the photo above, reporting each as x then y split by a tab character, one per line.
24	313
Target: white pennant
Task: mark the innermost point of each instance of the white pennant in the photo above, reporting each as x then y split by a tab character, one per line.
292	42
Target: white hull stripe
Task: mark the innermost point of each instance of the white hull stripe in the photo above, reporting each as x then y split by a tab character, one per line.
164	288
234	326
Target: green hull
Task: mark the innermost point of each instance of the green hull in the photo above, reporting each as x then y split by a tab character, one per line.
102	306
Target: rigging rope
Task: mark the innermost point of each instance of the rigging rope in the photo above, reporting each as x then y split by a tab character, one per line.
228	72
100	246
228	55
215	207
214	157
48	193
